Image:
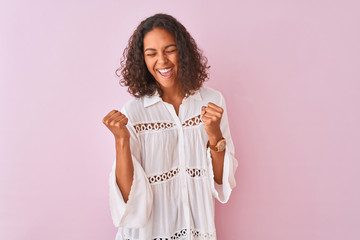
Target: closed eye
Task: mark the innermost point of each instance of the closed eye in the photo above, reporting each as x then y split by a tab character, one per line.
153	54
171	51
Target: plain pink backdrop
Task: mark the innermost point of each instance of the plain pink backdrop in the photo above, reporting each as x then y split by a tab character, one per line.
289	71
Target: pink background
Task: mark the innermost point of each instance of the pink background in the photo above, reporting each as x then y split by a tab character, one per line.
289	71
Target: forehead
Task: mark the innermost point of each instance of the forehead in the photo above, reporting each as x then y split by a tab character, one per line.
157	38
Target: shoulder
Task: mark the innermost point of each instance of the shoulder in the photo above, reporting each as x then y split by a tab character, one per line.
132	107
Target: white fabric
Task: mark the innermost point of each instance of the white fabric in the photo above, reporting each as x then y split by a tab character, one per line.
173	190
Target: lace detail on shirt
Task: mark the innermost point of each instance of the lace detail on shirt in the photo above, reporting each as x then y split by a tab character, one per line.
199	235
141	127
196	172
163	177
193	121
153	126
194	233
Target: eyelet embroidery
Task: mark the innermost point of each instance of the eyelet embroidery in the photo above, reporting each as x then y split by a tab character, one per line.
193	121
163	177
196	234
152	126
141	127
196	172
203	236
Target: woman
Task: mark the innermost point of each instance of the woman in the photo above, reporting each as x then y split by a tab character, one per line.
174	151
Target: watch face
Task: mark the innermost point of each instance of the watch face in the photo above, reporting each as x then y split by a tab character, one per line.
222	146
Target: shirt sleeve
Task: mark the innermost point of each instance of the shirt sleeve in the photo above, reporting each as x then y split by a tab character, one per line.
136	211
222	191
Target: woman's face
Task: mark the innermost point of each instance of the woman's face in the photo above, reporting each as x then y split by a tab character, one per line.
161	57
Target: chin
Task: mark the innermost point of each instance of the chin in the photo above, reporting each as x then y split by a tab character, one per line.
167	83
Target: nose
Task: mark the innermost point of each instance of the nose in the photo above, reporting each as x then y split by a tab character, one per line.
162	59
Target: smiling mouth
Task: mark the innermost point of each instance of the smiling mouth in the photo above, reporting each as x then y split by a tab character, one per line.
165	72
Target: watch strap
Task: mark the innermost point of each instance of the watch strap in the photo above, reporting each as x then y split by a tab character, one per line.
213	147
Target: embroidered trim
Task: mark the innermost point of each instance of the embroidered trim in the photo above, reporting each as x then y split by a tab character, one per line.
177	235
196	172
163	177
200	235
141	127
194	233
193	121
153	126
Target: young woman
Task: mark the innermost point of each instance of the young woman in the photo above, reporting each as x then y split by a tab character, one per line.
174	152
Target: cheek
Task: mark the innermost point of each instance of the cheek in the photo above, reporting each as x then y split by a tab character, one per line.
148	64
176	59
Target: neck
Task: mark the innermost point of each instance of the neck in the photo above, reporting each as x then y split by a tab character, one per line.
172	95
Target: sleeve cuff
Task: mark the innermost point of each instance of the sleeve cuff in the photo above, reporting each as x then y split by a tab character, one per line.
136	211
222	191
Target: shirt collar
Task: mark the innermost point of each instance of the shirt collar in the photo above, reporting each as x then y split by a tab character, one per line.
150	100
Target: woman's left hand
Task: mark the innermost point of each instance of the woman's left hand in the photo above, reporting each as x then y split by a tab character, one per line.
211	116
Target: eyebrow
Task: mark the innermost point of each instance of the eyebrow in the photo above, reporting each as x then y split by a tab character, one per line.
152	49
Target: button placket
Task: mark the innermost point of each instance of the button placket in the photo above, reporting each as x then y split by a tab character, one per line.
182	167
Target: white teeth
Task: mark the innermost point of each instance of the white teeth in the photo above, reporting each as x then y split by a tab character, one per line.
164	70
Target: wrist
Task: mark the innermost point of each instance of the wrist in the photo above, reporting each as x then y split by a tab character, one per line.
122	142
213	139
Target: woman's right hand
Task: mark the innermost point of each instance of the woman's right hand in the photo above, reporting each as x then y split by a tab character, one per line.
116	122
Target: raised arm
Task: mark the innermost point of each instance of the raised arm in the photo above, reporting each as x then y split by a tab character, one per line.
222	164
131	195
116	122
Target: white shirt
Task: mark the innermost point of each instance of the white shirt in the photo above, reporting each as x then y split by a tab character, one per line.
173	189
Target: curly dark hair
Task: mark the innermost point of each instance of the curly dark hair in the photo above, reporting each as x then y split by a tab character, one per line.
192	65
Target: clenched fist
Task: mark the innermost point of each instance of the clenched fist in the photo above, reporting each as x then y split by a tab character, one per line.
116	122
211	116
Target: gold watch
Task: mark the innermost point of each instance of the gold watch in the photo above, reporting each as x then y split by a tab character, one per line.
219	146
